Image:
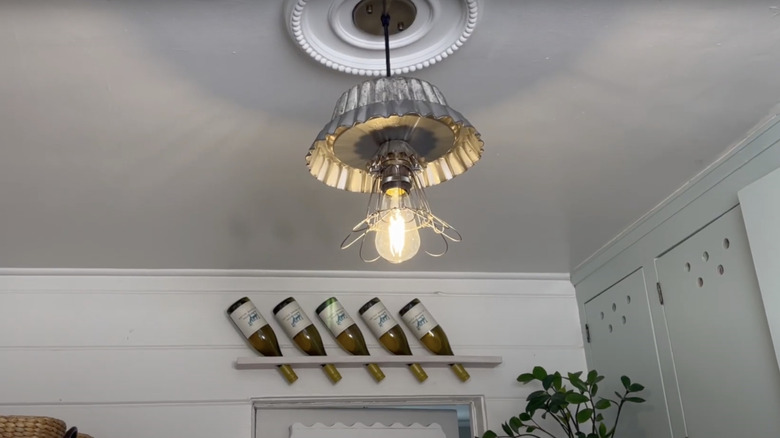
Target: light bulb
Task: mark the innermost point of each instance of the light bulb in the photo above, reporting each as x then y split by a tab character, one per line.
397	239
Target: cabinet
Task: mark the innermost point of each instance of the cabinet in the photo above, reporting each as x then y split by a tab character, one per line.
709	321
622	342
719	340
761	209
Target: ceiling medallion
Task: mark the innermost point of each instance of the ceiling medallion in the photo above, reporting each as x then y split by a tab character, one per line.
422	33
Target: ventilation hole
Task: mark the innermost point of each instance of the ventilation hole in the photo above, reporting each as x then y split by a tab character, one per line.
602	315
705	256
720	269
614	307
700	281
726	243
687	267
628	299
624	319
610	328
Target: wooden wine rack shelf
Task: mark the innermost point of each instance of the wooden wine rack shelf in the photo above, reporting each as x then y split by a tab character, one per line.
249	363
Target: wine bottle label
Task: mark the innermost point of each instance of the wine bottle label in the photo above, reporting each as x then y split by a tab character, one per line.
378	319
292	319
248	319
419	320
336	318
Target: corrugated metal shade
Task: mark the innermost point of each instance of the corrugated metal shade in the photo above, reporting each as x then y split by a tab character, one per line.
394	108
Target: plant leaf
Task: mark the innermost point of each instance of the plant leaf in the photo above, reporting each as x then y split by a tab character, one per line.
535	404
635	399
530	429
635	387
579	385
489	434
599	417
525	377
603	404
557	381
535	395
575	398
507	429
524	416
602	430
539	373
626	381
584	415
581	435
592	377
548	381
557	403
594	389
515	424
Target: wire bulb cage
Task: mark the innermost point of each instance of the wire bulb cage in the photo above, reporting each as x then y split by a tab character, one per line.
398	210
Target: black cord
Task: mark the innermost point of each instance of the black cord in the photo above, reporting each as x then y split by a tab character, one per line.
386	25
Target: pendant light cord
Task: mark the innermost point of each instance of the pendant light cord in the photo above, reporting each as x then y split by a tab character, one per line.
386	25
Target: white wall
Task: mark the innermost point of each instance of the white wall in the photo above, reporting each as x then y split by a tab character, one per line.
147	354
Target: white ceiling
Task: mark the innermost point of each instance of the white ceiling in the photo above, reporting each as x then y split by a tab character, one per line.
172	134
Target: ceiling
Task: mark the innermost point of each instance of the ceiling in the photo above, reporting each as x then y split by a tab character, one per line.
172	134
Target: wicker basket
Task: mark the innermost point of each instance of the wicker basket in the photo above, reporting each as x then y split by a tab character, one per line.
31	427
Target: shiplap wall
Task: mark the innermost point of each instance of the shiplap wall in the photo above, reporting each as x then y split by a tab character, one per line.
128	354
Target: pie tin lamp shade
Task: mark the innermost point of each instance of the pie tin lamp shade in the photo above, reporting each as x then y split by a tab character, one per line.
380	110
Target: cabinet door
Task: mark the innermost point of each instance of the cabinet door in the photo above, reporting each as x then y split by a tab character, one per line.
622	342
726	371
762	216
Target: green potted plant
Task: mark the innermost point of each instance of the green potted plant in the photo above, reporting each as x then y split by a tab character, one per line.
572	403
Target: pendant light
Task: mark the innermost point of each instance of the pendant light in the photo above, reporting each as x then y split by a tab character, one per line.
392	137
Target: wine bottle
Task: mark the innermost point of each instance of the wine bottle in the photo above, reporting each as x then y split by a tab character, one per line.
430	333
346	332
260	335
389	333
299	328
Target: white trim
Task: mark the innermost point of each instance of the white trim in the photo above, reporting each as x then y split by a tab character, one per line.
261	273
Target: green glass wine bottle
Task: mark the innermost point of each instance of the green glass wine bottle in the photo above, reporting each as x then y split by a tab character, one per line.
430	333
346	332
389	333
260	335
299	328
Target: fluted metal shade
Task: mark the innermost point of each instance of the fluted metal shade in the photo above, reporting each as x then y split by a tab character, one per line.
395	108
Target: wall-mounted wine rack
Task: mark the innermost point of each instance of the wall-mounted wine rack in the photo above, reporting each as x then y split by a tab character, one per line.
259	362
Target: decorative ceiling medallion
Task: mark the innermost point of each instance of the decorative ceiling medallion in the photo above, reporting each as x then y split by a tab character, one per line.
326	30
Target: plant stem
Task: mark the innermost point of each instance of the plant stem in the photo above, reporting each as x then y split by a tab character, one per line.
620	407
563	425
574	420
593	408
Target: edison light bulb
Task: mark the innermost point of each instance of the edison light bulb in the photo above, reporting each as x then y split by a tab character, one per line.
397	238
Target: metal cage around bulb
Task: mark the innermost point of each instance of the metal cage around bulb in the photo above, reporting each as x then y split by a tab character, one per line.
397	193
